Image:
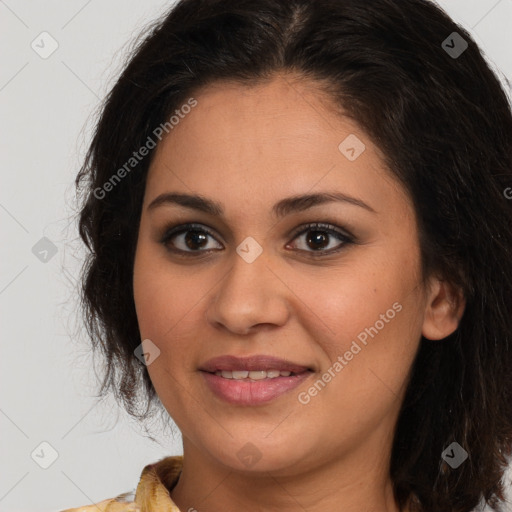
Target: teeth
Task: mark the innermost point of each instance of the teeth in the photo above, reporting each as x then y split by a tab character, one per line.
253	375
239	374
258	375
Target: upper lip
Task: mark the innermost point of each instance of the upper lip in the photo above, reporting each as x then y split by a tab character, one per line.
252	363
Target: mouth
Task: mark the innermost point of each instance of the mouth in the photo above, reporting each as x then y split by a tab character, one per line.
254	375
252	380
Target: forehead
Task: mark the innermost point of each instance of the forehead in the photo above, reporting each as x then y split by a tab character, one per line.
252	145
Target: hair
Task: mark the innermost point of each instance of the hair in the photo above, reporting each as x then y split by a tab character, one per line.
444	125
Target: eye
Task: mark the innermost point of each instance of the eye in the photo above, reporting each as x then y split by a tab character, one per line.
320	237
188	238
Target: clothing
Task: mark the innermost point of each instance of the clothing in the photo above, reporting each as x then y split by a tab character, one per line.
152	494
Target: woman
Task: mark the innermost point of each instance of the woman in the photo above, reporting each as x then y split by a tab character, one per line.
297	219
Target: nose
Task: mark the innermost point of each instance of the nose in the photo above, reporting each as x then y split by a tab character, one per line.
250	297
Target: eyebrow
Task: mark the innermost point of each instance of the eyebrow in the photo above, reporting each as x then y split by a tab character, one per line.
282	208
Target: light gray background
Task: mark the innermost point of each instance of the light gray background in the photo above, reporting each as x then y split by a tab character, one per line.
47	374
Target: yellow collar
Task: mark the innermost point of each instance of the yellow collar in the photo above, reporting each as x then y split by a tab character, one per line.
152	494
155	483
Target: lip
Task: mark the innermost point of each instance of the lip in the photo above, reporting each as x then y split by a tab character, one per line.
251	363
251	393
248	392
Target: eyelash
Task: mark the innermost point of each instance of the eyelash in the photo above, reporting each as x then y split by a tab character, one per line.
345	238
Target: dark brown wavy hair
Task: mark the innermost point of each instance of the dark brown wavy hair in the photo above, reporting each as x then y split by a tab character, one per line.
444	124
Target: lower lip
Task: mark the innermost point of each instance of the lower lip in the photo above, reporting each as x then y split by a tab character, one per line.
247	392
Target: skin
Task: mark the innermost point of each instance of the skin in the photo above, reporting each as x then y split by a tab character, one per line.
247	148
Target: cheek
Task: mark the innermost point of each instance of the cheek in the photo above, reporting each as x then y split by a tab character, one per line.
368	359
373	310
163	295
164	303
381	355
170	312
363	295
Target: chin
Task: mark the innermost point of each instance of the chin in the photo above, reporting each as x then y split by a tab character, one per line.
259	456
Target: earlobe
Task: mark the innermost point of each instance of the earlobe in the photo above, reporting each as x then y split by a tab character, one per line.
443	310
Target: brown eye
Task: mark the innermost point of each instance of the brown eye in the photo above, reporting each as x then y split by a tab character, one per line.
195	239
321	238
189	238
317	239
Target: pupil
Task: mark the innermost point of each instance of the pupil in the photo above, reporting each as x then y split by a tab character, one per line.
195	238
317	238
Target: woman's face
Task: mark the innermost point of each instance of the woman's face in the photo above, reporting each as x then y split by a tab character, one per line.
341	305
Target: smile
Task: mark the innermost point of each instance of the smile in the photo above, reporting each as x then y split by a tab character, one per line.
252	375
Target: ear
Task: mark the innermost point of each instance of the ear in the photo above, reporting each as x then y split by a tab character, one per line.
444	309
